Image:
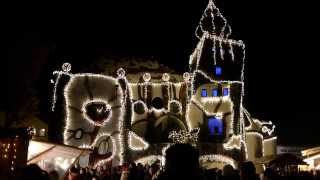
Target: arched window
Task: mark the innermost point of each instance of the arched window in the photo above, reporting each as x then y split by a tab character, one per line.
214	92
204	93
218	70
225	91
215	126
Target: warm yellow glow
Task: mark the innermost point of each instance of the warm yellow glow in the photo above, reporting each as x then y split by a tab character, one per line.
36	148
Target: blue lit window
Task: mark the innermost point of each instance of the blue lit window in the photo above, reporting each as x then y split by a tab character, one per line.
204	93
218	70
215	126
225	91
214	92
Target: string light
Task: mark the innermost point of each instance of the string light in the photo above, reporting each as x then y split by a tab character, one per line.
110	125
117	120
208	110
136	143
218	158
184	137
179	105
108	108
165	77
233	143
68	93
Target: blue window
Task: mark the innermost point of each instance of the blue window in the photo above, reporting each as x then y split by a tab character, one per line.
225	91
218	70
214	92
215	126
204	93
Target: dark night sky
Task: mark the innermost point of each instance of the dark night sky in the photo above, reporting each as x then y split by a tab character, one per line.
281	68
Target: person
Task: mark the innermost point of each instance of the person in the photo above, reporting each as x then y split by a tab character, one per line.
182	162
140	171
33	171
73	173
211	174
248	171
228	172
132	173
53	175
268	174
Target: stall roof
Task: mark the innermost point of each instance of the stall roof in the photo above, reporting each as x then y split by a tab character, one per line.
40	150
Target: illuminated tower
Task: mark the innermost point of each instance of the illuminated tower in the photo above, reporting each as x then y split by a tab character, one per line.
215	107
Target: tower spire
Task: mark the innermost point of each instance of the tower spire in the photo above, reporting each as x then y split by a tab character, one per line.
213	22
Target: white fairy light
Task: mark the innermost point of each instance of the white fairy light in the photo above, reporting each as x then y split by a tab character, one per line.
214	53
136	143
270	139
215	81
165	77
213	100
221	50
114	149
176	102
265	129
66	67
54	99
209	113
115	141
186	76
133	137
149	159
233	143
218	158
184	137
121	72
108	108
146	77
214	13
231	51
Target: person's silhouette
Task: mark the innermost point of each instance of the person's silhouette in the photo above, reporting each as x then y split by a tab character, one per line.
182	162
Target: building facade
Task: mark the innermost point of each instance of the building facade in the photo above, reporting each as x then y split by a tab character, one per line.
131	116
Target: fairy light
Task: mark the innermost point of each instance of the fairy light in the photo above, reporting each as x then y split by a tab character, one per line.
221	50
270	139
186	76
68	95
117	122
265	129
212	80
208	111
177	103
184	137
66	68
114	148
214	100
108	108
165	77
214	53
135	141
233	143
231	50
146	77
204	104
214	12
219	158
149	159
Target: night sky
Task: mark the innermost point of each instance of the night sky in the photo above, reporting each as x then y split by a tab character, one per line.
281	69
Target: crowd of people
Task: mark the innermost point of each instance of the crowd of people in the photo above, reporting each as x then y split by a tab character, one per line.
182	162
